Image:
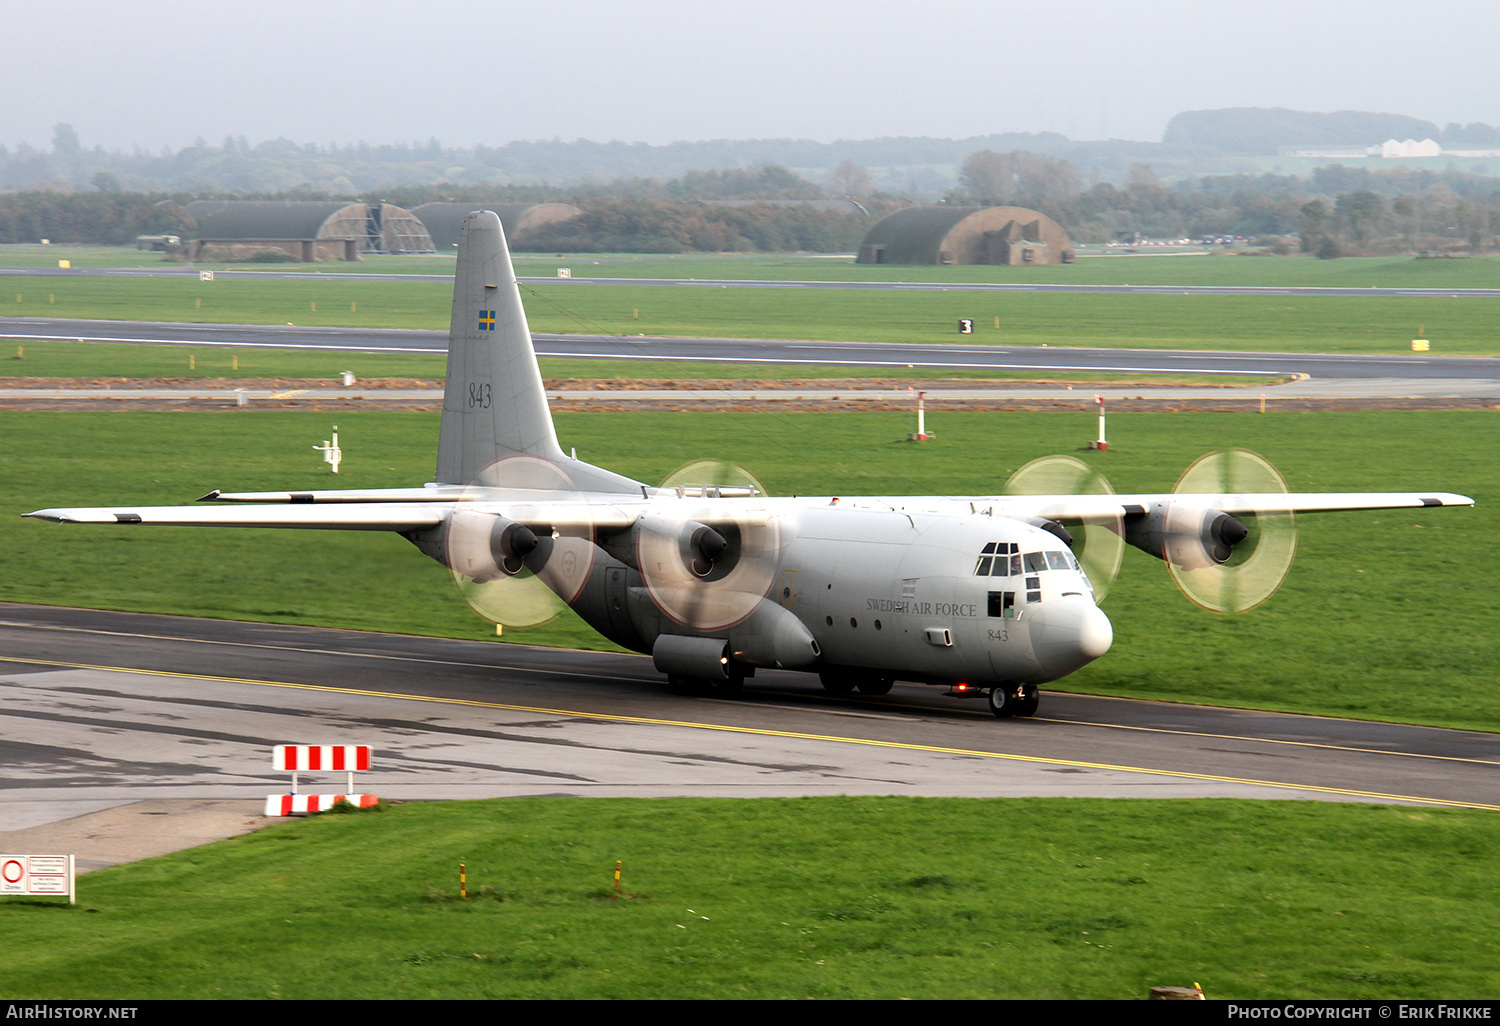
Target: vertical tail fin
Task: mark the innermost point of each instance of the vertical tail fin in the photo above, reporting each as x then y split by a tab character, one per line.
493	402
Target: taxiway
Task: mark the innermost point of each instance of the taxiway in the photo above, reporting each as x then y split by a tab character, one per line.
106	708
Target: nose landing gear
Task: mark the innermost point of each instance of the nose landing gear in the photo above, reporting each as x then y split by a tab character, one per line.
1014	700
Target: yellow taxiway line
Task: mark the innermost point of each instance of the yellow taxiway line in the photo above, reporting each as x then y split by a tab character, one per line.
767	732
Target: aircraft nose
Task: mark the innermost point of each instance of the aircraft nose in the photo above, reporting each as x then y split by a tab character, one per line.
1069	633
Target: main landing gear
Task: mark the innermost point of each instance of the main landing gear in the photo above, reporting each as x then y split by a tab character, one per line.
1014	700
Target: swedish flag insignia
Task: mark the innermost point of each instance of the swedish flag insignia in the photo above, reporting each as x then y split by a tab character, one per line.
486	320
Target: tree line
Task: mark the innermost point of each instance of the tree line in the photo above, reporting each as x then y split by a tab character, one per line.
1335	211
635	224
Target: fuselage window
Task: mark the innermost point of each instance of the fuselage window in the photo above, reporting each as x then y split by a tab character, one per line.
1035	562
983	569
1057	561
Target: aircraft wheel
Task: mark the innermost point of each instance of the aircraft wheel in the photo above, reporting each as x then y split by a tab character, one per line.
836	683
731	687
1003	701
876	685
1029	700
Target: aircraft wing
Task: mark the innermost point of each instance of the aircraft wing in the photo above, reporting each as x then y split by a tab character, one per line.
1105	508
431	493
373	516
344	514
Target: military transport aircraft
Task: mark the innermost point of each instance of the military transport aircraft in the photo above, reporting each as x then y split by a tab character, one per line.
984	595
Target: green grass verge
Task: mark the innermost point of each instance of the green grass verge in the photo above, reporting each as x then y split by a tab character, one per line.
68	359
801	898
1461	326
358	304
1330	324
130	258
1385	615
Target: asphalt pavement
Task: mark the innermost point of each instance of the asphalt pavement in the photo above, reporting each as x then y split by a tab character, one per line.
1411	375
105	709
584	280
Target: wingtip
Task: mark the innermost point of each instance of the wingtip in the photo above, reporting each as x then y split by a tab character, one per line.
211	496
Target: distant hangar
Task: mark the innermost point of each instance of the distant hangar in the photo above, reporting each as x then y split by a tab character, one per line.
307	229
966	235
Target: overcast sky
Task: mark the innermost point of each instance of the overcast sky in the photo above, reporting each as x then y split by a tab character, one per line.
160	73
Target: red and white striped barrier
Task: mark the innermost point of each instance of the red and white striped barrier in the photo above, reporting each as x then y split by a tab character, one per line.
287	804
340	758
296	759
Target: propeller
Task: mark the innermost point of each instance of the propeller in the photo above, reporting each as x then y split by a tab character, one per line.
1228	563
706	547
1098	543
520	542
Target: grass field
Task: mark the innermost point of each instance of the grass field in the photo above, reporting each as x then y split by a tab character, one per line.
803	898
1386	615
1221	268
1333	324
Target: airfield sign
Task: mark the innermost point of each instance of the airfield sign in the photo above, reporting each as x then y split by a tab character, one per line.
37	876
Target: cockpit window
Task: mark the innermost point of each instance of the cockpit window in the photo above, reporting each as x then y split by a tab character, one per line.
1004	561
1014	564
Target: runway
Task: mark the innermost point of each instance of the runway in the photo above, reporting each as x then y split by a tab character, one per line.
103	709
1464	375
583	280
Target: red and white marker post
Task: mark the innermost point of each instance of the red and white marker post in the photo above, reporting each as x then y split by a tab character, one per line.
1100	443
295	759
921	434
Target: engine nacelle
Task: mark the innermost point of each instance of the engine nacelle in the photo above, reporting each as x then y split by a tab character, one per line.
1188	536
484	546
